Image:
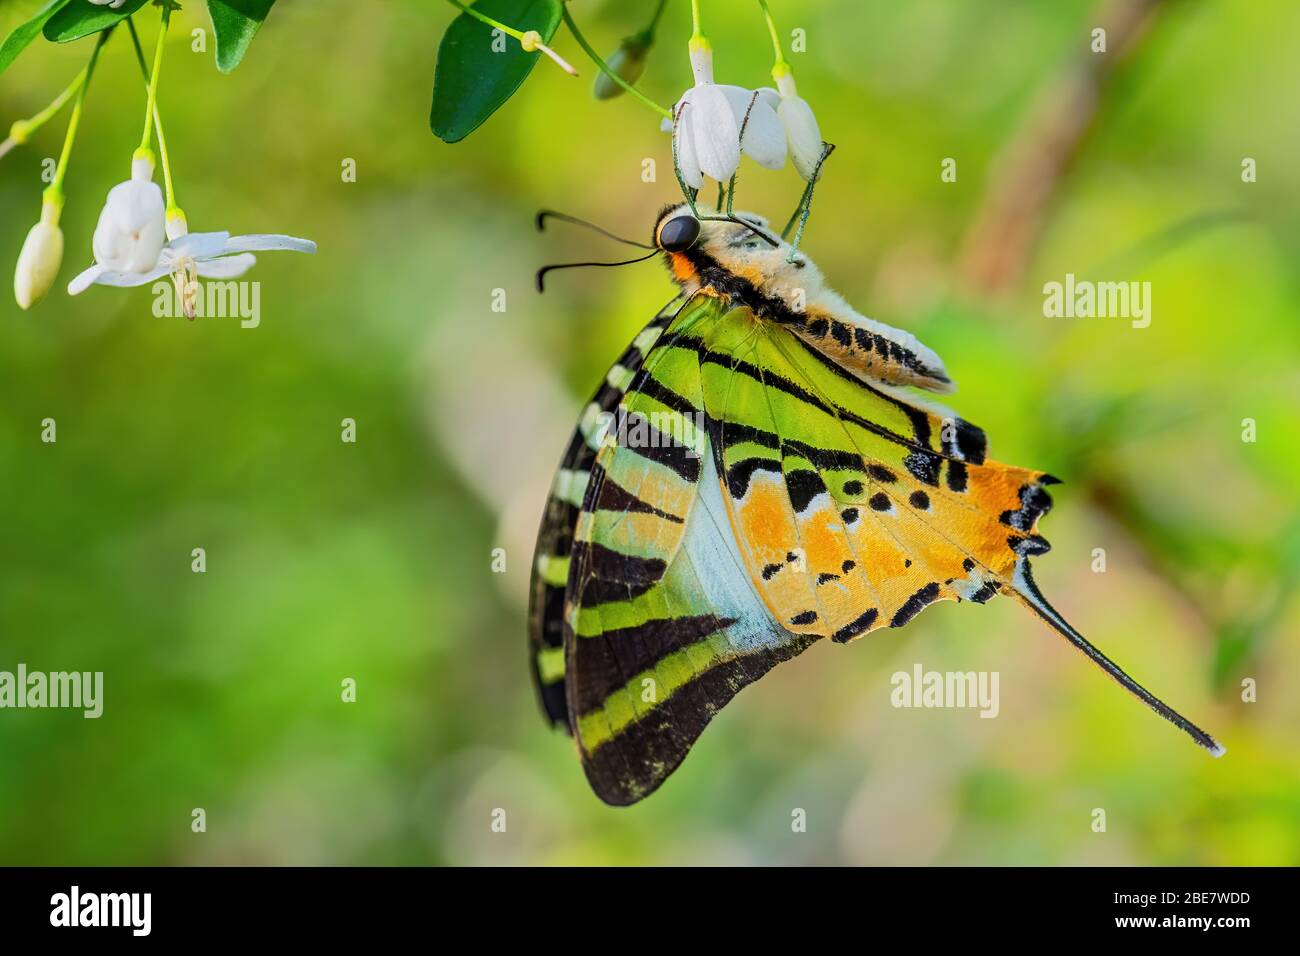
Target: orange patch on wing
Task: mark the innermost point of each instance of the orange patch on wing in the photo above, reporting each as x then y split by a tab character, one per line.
768	537
841	595
823	540
994	488
765	517
634	532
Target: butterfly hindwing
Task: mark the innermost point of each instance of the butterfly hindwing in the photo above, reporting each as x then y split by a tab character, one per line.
855	507
555	537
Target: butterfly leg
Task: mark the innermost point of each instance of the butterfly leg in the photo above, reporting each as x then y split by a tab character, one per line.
687	191
804	208
794	216
731	189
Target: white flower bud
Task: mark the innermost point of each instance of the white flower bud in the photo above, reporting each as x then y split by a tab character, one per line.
39	261
131	229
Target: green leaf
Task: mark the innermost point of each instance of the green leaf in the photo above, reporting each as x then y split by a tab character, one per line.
81	18
235	23
25	33
471	80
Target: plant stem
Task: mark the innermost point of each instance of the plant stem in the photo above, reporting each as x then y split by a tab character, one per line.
780	66
31	125
483	18
531	40
649	31
152	103
157	117
604	68
695	20
54	191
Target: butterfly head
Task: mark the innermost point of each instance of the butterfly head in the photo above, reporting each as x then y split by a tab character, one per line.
719	254
734	256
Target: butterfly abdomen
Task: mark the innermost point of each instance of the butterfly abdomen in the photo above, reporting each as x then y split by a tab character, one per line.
872	353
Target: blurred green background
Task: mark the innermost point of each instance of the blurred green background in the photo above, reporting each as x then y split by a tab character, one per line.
373	560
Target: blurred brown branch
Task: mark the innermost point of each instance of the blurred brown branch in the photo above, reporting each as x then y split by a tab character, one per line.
1025	179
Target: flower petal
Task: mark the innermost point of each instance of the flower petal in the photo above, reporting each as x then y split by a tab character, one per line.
265	242
714	131
764	137
199	245
98	275
227	267
128	280
684	146
131	229
85	280
802	134
701	63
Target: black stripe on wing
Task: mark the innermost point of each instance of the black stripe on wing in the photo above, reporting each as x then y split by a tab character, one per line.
555	536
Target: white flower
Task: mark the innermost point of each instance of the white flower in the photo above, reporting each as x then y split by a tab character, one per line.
39	261
709	139
706	134
131	229
763	137
111	4
801	131
208	255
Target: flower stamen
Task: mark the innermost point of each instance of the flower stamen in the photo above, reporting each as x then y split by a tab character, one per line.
185	277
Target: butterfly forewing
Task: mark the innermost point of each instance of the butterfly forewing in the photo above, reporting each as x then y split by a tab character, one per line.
555	537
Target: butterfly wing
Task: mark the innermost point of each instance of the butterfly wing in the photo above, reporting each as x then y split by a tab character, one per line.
663	626
798	502
555	537
855	506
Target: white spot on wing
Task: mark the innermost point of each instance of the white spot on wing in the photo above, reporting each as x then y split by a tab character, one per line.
710	544
571	485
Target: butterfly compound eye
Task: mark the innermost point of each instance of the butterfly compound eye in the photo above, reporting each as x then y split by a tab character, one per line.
679	233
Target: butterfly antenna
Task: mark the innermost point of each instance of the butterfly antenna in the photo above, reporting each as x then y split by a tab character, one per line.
541	273
1028	592
740	222
565	217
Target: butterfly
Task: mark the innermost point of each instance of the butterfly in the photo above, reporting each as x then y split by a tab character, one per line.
754	476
